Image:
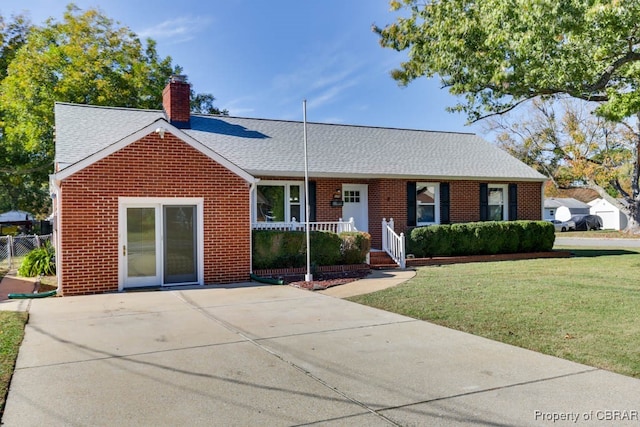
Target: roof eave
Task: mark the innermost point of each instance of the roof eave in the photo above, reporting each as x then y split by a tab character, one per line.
342	175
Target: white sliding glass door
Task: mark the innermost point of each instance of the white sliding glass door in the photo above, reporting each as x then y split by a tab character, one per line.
160	243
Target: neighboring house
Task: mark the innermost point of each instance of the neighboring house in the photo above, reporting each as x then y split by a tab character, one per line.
16	218
612	217
160	198
563	209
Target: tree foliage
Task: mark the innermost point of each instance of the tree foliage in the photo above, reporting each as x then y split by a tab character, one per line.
202	103
570	145
496	54
84	58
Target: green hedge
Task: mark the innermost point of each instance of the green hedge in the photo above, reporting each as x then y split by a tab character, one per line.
285	249
481	238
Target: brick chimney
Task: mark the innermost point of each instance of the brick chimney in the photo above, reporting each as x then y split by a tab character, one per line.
176	98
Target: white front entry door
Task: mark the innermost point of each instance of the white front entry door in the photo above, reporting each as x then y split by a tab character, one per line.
356	204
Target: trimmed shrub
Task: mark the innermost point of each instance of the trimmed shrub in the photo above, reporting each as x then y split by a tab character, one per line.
354	247
481	238
325	248
285	249
40	261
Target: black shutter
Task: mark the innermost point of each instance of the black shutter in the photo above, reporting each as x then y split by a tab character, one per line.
411	204
513	202
312	201
444	203
484	201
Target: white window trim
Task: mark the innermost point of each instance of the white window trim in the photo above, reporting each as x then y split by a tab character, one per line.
436	202
287	193
505	200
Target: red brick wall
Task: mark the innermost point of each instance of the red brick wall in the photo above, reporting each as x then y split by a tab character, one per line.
150	167
530	200
464	199
388	199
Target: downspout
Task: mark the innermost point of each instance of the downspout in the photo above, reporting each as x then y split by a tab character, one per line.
56	197
542	186
252	197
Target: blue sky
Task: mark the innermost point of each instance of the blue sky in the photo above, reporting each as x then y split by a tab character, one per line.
262	58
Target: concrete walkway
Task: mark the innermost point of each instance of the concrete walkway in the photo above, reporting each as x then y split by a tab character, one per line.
281	356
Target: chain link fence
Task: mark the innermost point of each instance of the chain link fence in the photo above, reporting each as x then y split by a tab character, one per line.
14	248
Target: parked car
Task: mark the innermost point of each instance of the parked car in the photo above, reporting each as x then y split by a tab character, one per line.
563	225
587	222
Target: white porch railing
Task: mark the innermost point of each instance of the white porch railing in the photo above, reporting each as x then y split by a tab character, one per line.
332	226
392	243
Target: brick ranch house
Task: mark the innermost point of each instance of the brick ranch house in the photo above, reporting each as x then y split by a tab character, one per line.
163	198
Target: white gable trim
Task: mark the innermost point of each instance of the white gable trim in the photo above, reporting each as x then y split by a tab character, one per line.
159	125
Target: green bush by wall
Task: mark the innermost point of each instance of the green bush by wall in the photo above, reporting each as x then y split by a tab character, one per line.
481	238
287	249
355	247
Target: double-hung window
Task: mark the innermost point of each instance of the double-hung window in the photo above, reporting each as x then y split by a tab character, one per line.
428	202
498	203
278	202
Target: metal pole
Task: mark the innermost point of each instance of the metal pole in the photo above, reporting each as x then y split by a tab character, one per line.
307	277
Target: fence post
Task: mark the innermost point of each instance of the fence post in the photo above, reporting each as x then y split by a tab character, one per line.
10	250
402	251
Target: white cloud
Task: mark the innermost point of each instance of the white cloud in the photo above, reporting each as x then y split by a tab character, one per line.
330	93
177	30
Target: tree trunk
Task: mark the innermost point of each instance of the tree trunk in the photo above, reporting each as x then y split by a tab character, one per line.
633	210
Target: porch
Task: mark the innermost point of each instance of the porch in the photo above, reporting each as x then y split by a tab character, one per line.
392	255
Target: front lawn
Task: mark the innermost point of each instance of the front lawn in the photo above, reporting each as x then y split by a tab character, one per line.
582	308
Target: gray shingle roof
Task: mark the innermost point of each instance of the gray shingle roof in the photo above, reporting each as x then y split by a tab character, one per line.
275	147
571	203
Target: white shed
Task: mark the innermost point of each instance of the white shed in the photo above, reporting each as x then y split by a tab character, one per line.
564	208
612	217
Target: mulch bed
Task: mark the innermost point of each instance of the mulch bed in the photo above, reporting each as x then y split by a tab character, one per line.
326	280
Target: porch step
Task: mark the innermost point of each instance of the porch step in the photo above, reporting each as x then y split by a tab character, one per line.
381	260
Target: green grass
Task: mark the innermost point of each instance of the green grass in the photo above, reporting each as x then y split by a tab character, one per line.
11	333
582	308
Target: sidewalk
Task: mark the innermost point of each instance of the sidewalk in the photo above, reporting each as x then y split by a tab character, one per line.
12	284
375	281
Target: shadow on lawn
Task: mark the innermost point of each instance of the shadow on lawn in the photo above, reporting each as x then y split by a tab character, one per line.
590	253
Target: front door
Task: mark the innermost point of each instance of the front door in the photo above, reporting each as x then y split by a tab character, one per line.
356	205
159	244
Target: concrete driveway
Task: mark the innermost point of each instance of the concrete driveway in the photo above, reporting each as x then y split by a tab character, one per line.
281	356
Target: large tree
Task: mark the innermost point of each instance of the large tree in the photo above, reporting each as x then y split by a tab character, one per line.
497	54
13	34
569	144
84	58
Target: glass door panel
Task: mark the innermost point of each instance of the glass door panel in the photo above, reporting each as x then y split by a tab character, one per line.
180	260
140	249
